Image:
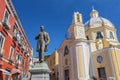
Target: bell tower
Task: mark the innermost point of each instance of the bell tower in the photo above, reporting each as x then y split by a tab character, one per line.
76	29
77	18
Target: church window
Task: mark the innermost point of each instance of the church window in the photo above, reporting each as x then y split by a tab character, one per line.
111	35
66	51
87	38
99	35
78	19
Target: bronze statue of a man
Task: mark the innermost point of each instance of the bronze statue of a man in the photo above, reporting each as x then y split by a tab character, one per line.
42	42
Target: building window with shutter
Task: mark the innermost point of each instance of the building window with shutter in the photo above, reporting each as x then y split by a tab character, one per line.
7	77
11	52
2	38
18	58
6	16
99	35
15	29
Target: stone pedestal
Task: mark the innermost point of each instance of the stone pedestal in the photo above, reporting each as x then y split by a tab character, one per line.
40	71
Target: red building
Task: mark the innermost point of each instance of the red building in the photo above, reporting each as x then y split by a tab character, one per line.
15	49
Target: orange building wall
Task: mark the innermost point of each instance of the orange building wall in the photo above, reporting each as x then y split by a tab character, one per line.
24	66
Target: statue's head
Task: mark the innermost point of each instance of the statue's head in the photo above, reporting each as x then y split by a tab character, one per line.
42	28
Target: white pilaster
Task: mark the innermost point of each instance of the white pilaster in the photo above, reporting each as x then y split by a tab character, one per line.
72	62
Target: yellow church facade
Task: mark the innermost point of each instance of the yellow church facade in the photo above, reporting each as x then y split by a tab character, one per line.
91	51
53	62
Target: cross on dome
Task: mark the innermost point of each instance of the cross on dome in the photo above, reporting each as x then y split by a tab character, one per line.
94	13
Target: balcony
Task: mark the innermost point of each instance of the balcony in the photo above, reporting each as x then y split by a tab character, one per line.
6	25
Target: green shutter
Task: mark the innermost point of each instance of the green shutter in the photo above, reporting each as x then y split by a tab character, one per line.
15	28
7	0
21	59
18	56
20	78
6	16
1	41
6	78
11	52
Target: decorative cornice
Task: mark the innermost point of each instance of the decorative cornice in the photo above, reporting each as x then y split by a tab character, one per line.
17	19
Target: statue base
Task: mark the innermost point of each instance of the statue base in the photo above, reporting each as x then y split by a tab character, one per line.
40	71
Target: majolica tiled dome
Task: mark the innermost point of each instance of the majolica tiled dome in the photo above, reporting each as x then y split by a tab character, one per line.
96	21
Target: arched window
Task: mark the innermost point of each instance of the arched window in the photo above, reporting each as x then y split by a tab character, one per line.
78	19
99	35
66	51
111	35
87	38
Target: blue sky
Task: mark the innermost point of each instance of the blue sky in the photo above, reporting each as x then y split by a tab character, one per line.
56	16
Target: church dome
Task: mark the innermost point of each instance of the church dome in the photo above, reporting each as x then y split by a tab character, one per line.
96	21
